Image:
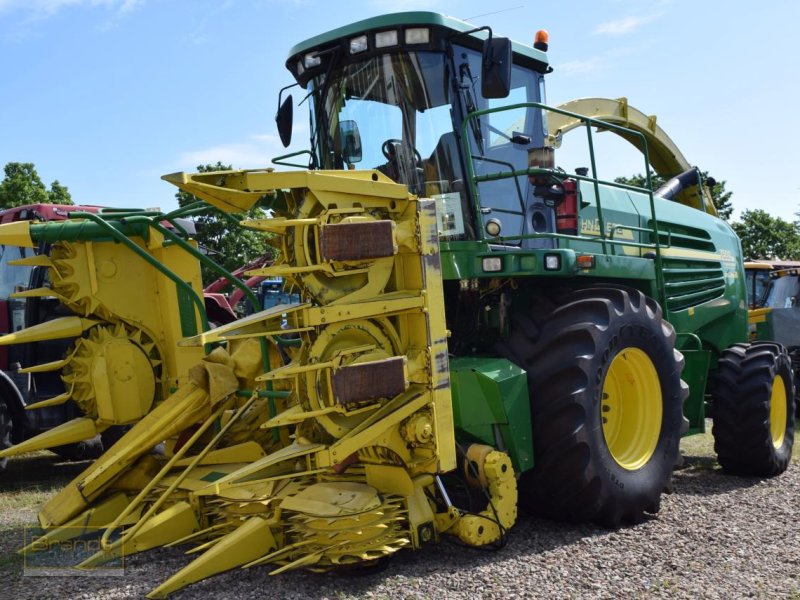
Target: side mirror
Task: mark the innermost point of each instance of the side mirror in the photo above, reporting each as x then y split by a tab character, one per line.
284	121
351	141
496	68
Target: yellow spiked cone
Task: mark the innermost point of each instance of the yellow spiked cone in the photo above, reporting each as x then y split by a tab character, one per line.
70	432
245	544
40	292
181	410
38	260
56	365
54	401
172	524
57	329
88	521
16	234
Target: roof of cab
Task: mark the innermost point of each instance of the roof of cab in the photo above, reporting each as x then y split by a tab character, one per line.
414	18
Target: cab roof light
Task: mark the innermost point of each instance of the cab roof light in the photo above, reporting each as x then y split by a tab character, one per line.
311	60
418	35
358	44
541	40
385	39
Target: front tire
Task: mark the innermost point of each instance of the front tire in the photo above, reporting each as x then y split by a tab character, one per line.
754	413
606	405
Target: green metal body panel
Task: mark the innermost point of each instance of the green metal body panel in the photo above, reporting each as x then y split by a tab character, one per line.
704	278
463	260
695	374
490	399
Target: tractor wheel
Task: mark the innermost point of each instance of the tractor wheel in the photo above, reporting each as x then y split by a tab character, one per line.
5	430
606	406
754	409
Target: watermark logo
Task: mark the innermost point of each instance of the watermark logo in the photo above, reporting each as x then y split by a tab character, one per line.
59	555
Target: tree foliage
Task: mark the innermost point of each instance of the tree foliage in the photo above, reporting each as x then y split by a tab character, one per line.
22	185
226	243
768	237
719	195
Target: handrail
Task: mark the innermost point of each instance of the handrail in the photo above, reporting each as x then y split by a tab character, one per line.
280	160
588	122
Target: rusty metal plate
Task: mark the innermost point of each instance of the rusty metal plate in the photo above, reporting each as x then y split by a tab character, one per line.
369	381
356	241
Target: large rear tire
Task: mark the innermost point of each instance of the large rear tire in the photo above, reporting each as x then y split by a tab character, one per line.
606	405
753	412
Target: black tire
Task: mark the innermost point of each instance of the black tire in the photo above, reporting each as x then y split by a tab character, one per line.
112	435
6	427
576	475
745	409
794	354
85	450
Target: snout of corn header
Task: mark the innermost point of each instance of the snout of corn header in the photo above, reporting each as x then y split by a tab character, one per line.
16	234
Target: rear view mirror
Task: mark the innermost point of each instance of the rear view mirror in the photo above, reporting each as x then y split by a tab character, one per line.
284	120
351	141
496	68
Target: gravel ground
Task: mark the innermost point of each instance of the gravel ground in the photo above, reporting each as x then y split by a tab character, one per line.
716	537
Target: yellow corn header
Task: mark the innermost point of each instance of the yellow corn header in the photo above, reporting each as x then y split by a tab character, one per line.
326	450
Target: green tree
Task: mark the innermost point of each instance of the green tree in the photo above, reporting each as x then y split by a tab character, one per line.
22	185
765	236
226	243
719	195
59	194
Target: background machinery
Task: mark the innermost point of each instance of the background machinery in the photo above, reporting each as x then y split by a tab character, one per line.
774	289
476	326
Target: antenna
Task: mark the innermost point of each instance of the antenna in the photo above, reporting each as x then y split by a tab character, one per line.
497	12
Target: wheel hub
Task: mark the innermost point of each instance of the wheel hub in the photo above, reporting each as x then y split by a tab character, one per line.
631	408
778	412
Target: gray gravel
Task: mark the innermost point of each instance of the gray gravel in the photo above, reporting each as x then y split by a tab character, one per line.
716	537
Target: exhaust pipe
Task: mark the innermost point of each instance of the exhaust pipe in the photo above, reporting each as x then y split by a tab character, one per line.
674	186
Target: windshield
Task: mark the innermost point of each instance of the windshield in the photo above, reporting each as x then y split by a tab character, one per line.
783	292
399	105
392	113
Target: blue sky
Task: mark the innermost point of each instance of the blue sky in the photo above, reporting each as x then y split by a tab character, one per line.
107	95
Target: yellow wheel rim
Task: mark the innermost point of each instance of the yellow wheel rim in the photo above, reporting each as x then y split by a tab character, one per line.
777	411
631	408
